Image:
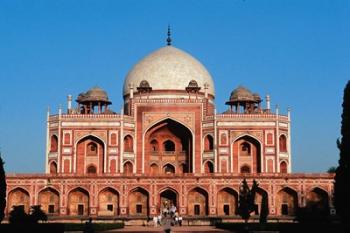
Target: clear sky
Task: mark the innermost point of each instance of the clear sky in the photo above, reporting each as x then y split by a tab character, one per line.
295	50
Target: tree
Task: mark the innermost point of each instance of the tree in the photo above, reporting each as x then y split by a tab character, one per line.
18	215
342	177
264	210
2	189
37	214
332	169
246	203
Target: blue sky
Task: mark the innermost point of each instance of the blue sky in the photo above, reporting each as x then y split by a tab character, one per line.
297	51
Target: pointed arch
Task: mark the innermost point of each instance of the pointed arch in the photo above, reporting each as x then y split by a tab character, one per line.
169	145
245	169
54	143
208	167
138	201
284	167
53	167
78	202
261	201
287	201
283	143
197	201
80	148
128	168
249	148
48	199
208	143
18	197
168	198
317	201
108	202
169	169
227	201
175	142
128	143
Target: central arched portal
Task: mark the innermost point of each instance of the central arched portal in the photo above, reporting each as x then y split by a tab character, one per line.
168	198
169	143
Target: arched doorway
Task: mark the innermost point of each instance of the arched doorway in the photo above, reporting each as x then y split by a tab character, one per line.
169	169
18	197
227	202
154	169
53	167
108	202
168	198
90	152
317	202
248	149
197	202
138	202
208	167
261	201
283	167
167	142
287	202
78	202
128	168
49	200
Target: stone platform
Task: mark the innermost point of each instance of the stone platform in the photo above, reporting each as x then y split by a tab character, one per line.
175	229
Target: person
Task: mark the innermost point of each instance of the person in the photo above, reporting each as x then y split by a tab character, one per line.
155	221
180	221
89	228
167	222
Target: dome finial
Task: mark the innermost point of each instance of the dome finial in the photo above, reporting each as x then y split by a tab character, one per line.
168	40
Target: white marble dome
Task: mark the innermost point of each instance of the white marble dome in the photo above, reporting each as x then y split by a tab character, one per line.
169	68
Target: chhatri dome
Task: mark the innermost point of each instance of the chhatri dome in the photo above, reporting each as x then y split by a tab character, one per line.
169	68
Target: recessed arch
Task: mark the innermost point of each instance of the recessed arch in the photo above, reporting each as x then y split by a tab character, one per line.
18	197
197	201
91	169
154	145
128	168
154	169
128	143
175	142
54	143
138	201
261	201
284	167
208	143
81	152
208	167
169	169
168	198
245	169
78	202
53	167
227	201
108	202
48	199
287	201
249	148
169	146
283	143
317	201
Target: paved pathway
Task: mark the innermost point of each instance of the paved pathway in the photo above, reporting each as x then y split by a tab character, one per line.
183	229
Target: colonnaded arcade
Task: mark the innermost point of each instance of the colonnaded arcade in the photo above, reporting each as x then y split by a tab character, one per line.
168	144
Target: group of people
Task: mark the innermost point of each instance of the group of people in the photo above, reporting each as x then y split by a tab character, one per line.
168	217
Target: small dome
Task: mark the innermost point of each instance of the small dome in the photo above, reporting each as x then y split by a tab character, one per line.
193	83
169	68
241	94
94	94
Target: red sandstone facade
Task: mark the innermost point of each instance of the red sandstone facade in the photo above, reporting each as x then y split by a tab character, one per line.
168	144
